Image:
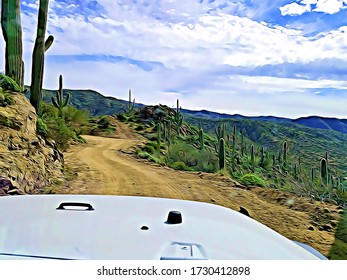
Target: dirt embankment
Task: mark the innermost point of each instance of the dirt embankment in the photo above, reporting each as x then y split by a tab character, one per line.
103	166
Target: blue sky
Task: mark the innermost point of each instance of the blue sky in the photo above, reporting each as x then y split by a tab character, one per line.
253	57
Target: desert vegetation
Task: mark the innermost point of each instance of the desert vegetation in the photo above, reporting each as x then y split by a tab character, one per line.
229	150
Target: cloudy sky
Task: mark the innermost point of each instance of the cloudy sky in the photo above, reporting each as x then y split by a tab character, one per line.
253	57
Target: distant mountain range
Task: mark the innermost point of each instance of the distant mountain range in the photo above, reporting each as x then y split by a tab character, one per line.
97	105
336	124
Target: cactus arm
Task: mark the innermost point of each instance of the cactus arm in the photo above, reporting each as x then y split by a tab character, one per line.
54	103
67	100
49	42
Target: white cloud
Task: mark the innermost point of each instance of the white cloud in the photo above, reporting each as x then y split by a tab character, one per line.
229	94
325	6
294	9
191	45
329	6
223	39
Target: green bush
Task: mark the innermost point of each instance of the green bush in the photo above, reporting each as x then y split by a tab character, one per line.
5	98
104	123
8	83
182	152
62	129
252	180
140	127
150	147
41	127
142	154
155	159
207	161
180	165
122	117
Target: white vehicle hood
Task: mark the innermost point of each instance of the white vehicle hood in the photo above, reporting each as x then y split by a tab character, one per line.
122	227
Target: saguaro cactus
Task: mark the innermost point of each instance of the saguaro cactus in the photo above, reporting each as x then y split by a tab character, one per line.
131	104
324	171
178	118
38	55
12	32
252	156
60	103
221	153
285	152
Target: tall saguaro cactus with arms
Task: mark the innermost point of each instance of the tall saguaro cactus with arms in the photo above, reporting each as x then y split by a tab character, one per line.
12	32
38	55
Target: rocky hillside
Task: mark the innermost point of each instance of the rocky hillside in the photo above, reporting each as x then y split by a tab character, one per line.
28	163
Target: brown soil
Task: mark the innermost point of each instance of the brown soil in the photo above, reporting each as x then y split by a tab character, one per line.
105	166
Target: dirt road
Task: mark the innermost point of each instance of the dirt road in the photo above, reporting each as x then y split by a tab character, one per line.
102	166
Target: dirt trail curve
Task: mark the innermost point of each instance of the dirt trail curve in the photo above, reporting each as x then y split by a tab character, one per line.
102	167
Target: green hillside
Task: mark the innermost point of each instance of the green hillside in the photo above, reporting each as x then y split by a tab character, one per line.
307	143
90	100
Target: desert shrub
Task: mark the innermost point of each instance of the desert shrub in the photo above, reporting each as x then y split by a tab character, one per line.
150	147
156	159
5	98
182	152
62	129
193	158
140	127
143	154
41	127
104	123
179	165
207	161
122	117
8	83
75	117
252	179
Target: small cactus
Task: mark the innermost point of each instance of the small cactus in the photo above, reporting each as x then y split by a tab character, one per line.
262	157
324	171
60	103
252	156
178	118
131	104
221	153
285	152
